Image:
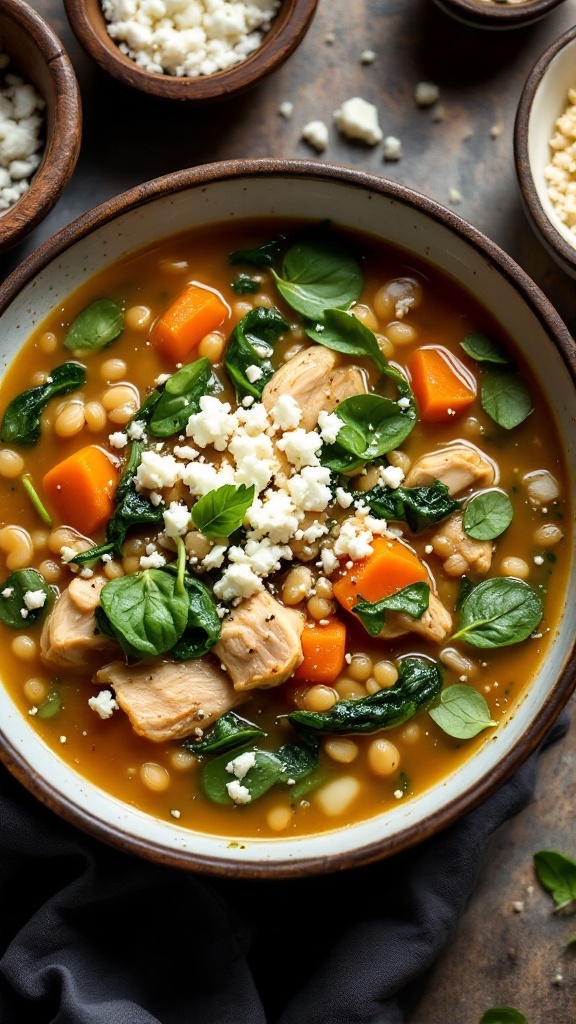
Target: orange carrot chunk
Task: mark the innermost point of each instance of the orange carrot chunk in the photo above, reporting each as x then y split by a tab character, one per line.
195	313
442	385
390	568
81	489
323	648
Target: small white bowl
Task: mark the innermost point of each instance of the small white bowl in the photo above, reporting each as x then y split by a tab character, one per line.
543	99
497	15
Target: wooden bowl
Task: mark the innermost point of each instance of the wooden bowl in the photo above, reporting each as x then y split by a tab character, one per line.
543	100
498	15
39	57
286	32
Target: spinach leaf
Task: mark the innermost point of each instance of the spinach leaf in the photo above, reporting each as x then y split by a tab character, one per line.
420	507
487	515
465	587
413	600
203	627
50	706
372	426
484	350
503	1015
505	397
35	499
557	873
343	332
18	584
96	326
245	285
258	779
319	273
462	712
146	612
180	398
252	344
264	256
21	421
227	733
419	681
299	760
220	512
498	612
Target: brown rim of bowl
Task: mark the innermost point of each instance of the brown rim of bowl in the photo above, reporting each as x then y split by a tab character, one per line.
552	238
279	42
560	337
498	15
63	146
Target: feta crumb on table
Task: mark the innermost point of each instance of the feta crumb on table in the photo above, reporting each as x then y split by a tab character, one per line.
426	94
392	148
316	134
358	119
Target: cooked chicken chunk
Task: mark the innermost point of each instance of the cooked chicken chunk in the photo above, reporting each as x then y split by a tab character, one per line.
460	552
260	642
435	624
458	467
316	380
70	638
168	700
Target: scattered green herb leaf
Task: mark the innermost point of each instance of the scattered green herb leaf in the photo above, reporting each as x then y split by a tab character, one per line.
258	779
180	398
252	344
462	712
203	627
498	612
505	397
227	733
487	515
420	507
481	348
413	600
220	512
557	873
19	583
21	421
372	426
96	326
50	706
264	256
245	285
35	500
319	273
146	612
503	1015
343	332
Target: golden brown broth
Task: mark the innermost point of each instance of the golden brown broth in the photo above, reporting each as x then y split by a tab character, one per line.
108	752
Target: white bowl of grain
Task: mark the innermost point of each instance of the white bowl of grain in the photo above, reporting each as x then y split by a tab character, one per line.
545	150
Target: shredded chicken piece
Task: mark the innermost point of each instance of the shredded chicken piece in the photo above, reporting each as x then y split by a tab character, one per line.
260	642
460	552
70	638
316	380
459	466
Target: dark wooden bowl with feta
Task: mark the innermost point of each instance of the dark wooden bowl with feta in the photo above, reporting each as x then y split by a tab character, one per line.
496	14
175	62
44	87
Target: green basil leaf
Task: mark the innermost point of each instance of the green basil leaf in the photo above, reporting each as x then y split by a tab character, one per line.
372	426
147	612
264	256
245	285
498	612
487	515
96	326
21	421
481	348
180	398
462	712
419	681
146	411
319	273
50	706
203	627
252	344
220	512
420	507
343	332
506	398
557	873
503	1015
571	941
413	600
227	733
258	779
16	586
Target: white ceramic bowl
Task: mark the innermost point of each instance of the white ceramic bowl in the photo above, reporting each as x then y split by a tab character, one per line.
238	189
497	15
543	99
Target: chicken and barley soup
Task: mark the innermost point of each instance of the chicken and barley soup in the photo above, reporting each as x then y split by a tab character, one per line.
283	522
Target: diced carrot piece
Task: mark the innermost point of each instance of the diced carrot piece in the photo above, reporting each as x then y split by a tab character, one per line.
442	385
323	648
81	489
195	313
390	568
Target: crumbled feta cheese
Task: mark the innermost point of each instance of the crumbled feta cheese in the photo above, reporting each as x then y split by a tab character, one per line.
253	373
300	447
358	119
426	94
156	471
403	403
104	704
7	592
261	556
176	519
329	561
24	613
241	765
153	561
330	426
119	439
237	581
67	553
215	557
367	57
315	133
392	148
353	540
213	425
392	476
136	430
201	477
286	413
275	517
286	109
402	307
21	131
309	489
238	793
343	497
174	813
454	196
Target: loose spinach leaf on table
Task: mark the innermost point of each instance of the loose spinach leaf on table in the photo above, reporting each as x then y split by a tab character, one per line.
19	583
498	612
481	348
203	626
96	326
180	398
462	712
146	612
227	733
557	873
419	681
264	256
220	512
245	285
413	600
252	344
341	331
487	515
372	426
21	421
319	273
258	779
420	507
503	1015
505	397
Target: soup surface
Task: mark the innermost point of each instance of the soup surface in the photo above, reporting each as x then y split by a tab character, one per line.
281	508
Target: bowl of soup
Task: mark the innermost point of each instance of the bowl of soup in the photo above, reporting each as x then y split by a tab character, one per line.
287	519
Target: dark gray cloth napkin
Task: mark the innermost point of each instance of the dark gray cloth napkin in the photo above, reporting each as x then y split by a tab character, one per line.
89	935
